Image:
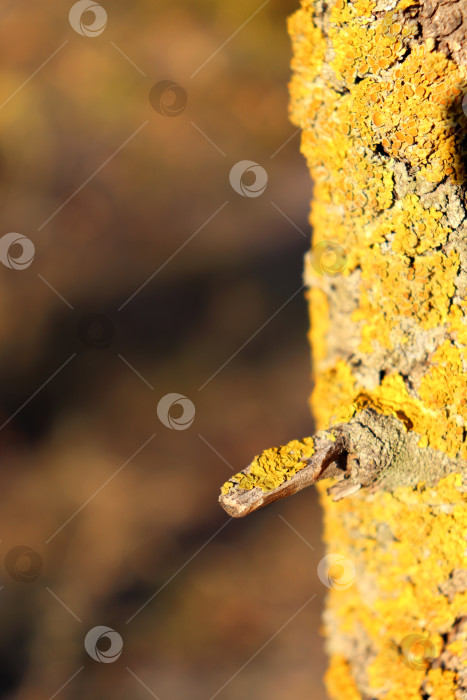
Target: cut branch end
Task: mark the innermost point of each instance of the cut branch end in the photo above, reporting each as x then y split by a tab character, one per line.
256	486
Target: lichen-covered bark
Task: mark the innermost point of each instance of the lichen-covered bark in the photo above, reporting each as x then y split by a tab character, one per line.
377	89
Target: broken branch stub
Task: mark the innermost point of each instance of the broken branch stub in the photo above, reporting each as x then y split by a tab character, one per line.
239	501
371	449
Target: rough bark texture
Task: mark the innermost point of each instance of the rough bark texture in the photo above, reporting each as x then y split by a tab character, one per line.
377	90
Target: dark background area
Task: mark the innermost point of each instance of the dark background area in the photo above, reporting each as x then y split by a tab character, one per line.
117	507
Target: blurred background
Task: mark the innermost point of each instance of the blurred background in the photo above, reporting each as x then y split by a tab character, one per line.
149	274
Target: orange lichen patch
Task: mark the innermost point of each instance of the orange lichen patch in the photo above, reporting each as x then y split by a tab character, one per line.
418	112
416	229
402	108
459	645
340	173
408	282
360	42
335	390
334	157
364	8
306	64
436	425
441	684
395	244
339	680
274	466
386	109
395	288
377	118
404	4
425	543
444	386
337	397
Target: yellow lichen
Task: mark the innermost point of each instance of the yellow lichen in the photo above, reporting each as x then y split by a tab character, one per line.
360	43
404	282
441	684
406	99
305	70
427	543
338	677
381	119
333	395
274	466
434	423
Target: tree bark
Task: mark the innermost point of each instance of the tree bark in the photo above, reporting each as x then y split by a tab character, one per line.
378	90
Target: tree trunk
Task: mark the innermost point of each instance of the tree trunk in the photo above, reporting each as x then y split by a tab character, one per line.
378	91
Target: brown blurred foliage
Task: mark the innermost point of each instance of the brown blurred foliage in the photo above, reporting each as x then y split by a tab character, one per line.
110	191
